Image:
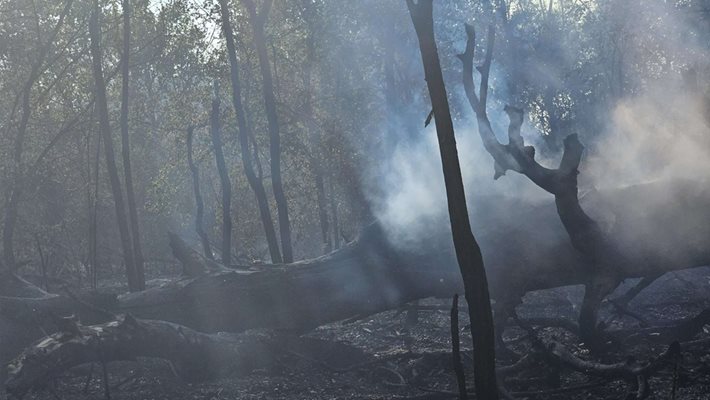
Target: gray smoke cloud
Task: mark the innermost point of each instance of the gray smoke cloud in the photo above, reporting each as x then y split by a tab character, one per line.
658	130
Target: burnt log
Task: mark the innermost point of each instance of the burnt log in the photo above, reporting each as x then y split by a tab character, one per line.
659	226
194	355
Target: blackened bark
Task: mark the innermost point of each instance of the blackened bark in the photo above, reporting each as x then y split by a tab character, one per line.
105	127
602	255
126	148
199	204
468	253
258	20
224	181
254	182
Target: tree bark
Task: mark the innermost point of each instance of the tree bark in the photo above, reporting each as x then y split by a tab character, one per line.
258	20
126	148
254	182
199	204
134	283
224	181
468	253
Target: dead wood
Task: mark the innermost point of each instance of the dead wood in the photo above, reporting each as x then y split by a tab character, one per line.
195	355
630	370
371	274
605	252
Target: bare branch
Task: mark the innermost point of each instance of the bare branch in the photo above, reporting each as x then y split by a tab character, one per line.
502	159
485	69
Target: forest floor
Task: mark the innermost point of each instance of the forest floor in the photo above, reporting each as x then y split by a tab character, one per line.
390	356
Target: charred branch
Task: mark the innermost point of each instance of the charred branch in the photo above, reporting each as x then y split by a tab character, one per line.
195	355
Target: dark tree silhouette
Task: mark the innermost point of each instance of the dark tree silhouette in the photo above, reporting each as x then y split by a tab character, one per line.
224	181
199	203
134	283
468	253
126	146
244	134
258	20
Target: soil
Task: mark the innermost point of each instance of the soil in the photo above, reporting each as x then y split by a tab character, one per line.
402	354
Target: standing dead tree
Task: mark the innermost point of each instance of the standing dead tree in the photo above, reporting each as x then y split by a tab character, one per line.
601	254
244	134
199	204
224	181
126	147
468	252
258	20
134	283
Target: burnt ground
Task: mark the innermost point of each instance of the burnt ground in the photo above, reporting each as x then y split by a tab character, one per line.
389	356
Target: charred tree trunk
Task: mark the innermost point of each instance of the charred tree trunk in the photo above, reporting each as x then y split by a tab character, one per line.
468	253
254	182
134	283
224	181
604	257
199	204
126	148
258	20
195	355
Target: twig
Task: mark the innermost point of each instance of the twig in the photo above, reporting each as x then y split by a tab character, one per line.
402	381
456	350
566	389
89	376
630	370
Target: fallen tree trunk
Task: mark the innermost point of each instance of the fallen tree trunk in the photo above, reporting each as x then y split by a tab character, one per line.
194	355
661	226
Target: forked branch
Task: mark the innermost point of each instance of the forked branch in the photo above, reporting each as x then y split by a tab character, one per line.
516	156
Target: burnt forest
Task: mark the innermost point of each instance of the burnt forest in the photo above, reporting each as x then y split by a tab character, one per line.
354	199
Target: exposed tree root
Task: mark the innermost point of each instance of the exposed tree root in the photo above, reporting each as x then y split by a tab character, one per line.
631	370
